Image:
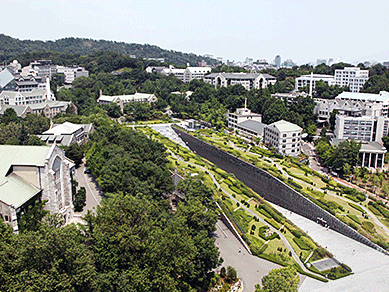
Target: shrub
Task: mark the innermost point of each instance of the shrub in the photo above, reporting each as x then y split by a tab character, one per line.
300	243
222	272
356	207
231	275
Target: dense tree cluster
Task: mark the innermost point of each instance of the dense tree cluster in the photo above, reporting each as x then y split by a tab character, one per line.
17	131
12	47
341	158
134	242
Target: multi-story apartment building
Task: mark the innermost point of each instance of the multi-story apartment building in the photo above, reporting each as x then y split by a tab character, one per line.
247	80
353	77
284	136
191	73
31	173
305	80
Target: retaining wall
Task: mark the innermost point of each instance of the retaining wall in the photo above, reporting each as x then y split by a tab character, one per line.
269	187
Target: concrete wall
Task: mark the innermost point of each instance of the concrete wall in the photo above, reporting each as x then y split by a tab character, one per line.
269	187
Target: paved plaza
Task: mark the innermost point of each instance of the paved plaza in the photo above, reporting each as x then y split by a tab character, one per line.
370	267
250	268
325	264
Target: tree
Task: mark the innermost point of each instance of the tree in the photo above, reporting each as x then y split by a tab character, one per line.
79	200
231	275
9	116
75	153
222	272
114	110
281	280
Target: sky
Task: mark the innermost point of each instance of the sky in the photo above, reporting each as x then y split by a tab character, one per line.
300	30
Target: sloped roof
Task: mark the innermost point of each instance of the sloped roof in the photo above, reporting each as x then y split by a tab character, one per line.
63	129
19	109
254	126
13	189
284	126
5	78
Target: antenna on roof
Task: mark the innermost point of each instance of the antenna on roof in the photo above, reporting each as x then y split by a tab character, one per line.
245	102
310	85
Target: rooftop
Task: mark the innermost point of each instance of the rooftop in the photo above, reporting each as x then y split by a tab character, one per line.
284	126
63	129
13	189
5	77
381	97
254	126
366	146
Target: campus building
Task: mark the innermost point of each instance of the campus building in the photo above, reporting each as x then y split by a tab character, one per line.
371	154
192	73
49	108
353	77
305	80
284	136
122	100
247	80
67	133
31	173
363	128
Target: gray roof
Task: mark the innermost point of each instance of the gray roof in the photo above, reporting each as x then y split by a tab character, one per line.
285	126
5	78
240	75
50	103
19	109
254	126
366	146
13	189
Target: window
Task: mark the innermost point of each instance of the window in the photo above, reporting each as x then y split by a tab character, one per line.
284	135
284	140
294	135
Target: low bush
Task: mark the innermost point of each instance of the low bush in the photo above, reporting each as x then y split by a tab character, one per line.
368	226
300	243
356	207
272	222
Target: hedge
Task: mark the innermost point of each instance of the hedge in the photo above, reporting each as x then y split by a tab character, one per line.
301	244
354	218
272	222
263	212
356	207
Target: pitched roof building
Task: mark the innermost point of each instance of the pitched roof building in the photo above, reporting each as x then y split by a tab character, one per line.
30	173
122	100
67	133
247	80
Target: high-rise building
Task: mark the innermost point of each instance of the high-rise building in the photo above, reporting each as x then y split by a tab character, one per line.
353	77
277	61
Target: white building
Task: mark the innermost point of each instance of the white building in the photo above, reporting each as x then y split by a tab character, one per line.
72	72
247	80
352	77
191	73
31	173
67	133
381	99
284	136
178	73
122	100
305	80
241	115
364	128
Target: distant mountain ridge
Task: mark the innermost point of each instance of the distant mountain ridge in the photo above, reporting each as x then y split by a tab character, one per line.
11	47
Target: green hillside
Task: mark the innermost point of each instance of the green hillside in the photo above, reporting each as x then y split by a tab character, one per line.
12	47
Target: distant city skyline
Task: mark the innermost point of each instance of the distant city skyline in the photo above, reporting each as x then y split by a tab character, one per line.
303	31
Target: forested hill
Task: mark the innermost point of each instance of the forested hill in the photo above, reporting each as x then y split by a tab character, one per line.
12	47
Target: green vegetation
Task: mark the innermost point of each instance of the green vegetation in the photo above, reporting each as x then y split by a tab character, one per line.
283	279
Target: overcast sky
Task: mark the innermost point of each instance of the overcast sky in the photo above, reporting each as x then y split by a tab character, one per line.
299	30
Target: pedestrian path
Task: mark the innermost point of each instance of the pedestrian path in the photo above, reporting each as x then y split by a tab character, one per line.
369	266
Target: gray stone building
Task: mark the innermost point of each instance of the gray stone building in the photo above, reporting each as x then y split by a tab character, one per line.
30	173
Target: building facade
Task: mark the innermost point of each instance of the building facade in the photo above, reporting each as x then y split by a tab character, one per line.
284	136
242	115
305	80
72	72
192	73
353	77
122	100
49	108
363	128
247	80
31	173
67	133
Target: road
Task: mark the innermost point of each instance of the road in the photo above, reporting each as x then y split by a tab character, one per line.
93	192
